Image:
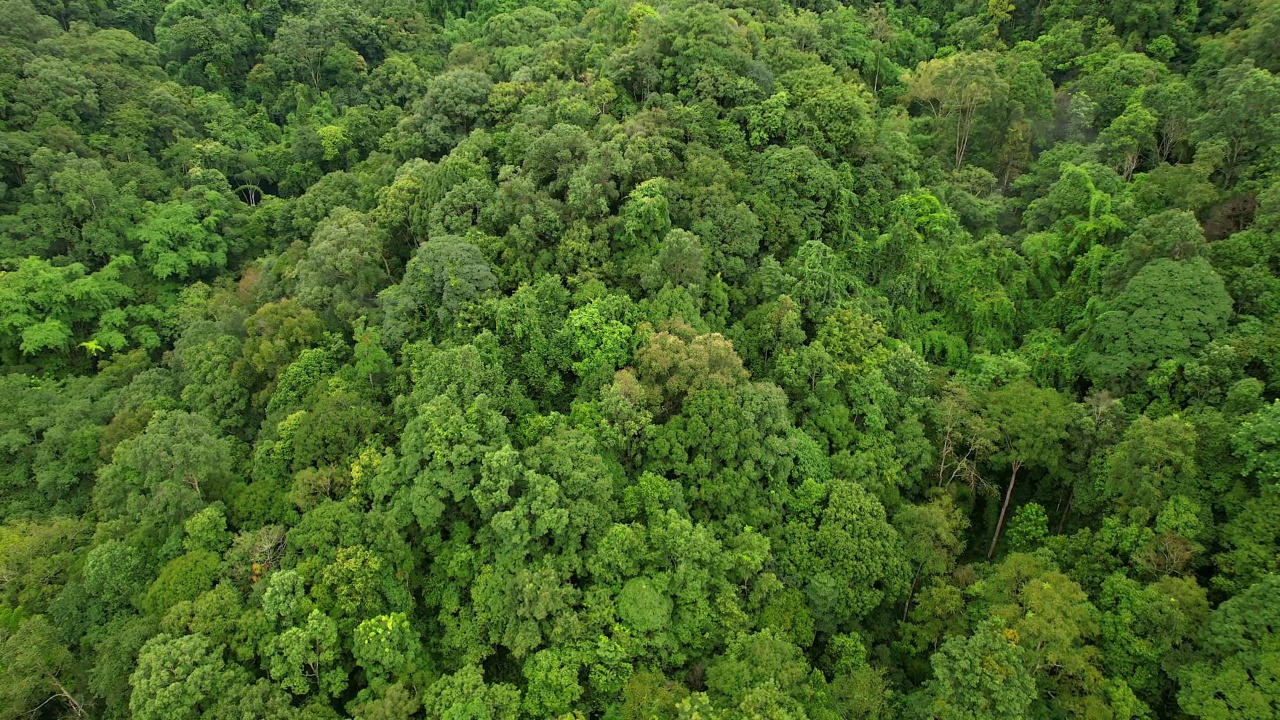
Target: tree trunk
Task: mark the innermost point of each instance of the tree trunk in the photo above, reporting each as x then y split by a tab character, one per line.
964	126
69	698
906	607
946	454
1008	495
875	84
1066	513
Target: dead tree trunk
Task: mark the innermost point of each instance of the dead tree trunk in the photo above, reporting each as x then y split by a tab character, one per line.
1008	495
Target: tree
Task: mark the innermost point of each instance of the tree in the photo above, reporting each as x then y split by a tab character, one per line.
1128	137
1250	545
451	105
396	703
600	338
933	537
1113	84
552	688
966	438
1154	460
681	260
675	364
821	279
77	208
36	559
1029	527
325	47
114	577
357	584
46	308
178	678
274	337
345	266
1172	234
167	473
444	276
204	359
1031	425
530	326
38	670
207	44
798	198
388	648
1167	311
180	240
882	35
260	701
207	531
114	662
1143	627
1257	442
1239	116
305	657
466	694
1231	678
980	676
851	559
185	577
954	89
1052	618
1174	103
761	665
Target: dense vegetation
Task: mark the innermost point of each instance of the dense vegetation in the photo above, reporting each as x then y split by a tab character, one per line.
698	360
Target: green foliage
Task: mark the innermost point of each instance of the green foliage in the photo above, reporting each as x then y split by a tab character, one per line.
38	669
177	242
178	678
167	473
387	647
183	578
554	360
444	276
303	658
980	676
344	268
1237	645
1152	462
764	673
1257	442
1167	311
45	308
1028	527
207	531
642	607
851	558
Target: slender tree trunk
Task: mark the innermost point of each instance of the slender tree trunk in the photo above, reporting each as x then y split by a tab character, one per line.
194	483
946	453
911	593
1131	162
875	84
71	701
1066	513
964	125
1008	495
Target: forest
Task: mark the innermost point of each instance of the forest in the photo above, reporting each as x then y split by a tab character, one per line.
639	359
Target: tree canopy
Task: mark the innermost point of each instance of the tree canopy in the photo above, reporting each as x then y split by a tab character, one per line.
639	360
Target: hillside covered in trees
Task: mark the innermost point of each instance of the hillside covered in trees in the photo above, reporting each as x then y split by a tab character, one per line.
639	359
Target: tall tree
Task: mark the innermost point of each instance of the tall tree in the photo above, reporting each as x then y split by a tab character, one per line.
954	89
1031	425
